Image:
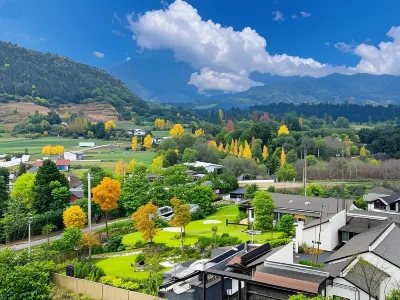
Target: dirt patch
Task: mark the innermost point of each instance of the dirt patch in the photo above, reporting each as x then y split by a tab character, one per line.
15	112
99	112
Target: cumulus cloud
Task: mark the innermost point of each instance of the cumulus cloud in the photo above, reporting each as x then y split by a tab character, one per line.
305	14
278	16
225	58
98	54
345	48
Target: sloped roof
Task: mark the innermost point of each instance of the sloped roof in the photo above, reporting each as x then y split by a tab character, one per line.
387	195
389	247
395	217
360	225
63	162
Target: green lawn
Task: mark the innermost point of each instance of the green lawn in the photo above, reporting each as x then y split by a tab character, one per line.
114	155
196	229
121	266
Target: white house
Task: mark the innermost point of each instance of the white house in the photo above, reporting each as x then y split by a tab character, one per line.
14	161
136	132
210	168
382	199
73	155
322	231
86	144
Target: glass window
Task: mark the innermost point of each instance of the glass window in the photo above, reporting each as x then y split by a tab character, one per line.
345	236
379	205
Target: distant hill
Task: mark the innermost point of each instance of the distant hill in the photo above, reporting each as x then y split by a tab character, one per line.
50	80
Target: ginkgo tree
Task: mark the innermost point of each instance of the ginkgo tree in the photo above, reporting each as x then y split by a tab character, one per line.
182	216
109	125
177	130
106	195
134	143
148	142
74	217
143	219
283	130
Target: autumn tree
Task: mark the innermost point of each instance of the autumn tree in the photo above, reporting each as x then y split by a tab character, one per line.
265	152
106	195
89	240
221	147
283	130
156	165
230	126
134	143
148	142
182	216
159	124
301	122
177	130
240	154
283	157
199	132
143	220
74	217
264	207
131	166
120	168
247	151
109	125
212	143
220	115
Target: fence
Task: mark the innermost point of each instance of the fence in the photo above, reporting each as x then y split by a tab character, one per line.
96	290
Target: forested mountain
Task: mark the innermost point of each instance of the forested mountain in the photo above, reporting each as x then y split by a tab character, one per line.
50	79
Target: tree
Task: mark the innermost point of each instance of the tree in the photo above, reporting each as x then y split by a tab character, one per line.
265	152
394	295
60	194
250	191
190	155
182	216
283	130
148	142
314	190
247	151
106	195
221	147
74	217
311	160
220	115
23	189
291	156
263	210
363	152
134	143
212	143
256	150
361	203
109	125
156	165
3	196
89	240
21	169
302	297
286	173
177	130
120	168
71	238
199	132
283	157
143	219
131	166
46	230
43	199
286	224
226	182
230	126
176	175
171	158
342	122
90	134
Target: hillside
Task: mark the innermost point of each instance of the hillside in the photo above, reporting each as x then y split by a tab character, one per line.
50	80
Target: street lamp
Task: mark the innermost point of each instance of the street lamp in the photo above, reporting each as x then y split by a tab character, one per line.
30	219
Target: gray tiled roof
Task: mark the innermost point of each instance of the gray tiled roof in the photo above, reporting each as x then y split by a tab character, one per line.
361	225
389	247
395	217
335	269
316	222
387	195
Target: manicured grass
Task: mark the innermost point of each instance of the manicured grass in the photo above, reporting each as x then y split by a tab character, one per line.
114	155
196	229
121	266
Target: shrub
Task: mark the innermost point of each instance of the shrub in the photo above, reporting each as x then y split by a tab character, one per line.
360	203
123	283
271	189
278	242
311	263
139	244
222	241
160	222
115	244
198	214
119	228
140	257
95	273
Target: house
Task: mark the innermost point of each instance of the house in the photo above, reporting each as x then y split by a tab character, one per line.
383	199
237	194
210	168
76	194
322	232
157	140
63	164
14	161
136	132
86	144
373	214
368	263
74	155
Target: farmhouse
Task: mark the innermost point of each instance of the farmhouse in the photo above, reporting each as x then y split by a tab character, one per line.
74	155
383	199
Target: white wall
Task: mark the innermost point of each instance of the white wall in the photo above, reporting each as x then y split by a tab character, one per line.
69	155
345	292
284	255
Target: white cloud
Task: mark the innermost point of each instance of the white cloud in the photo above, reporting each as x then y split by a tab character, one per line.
305	14
98	54
327	43
345	48
225	58
128	58
294	17
116	19
278	16
118	32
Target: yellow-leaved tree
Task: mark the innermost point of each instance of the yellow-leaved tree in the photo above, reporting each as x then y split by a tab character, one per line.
227	148
89	240
106	195
46	150
199	132
159	124
240	154
109	125
131	166
212	143
182	216
221	147
220	115
283	157
301	122
143	219
265	152
74	217
283	130
148	142
247	151
177	130
156	165
363	151
236	148
169	124
134	143
120	168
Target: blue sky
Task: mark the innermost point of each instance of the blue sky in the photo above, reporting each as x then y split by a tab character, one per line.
338	36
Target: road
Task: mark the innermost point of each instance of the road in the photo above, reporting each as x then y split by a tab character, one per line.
24	245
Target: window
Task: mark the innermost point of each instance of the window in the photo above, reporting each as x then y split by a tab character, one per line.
345	236
379	205
393	206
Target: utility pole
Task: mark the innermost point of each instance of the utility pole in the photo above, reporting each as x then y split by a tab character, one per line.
305	172
342	178
29	233
89	178
320	227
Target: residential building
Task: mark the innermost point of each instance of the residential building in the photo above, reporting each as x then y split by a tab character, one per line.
63	164
383	199
373	214
237	194
136	132
76	194
210	168
14	161
157	140
74	155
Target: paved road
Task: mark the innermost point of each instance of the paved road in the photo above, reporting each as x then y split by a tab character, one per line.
56	237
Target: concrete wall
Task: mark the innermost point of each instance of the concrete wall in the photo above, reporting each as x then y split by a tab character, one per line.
97	290
284	255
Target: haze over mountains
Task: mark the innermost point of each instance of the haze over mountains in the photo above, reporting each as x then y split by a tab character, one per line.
158	77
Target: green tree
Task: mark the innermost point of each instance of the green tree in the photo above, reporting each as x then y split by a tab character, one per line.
71	237
226	182
176	175
264	207
314	190
272	162
182	216
3	196
342	122
256	150
60	194
21	169
291	156
46	230
362	204
171	158
23	190
286	173
311	160
190	155
302	297
394	295
286	224
43	199
5	174
250	191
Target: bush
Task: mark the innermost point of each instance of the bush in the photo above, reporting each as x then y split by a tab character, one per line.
360	203
198	214
140	257
278	242
139	244
123	283
160	222
115	244
271	189
96	273
311	263
119	228
222	241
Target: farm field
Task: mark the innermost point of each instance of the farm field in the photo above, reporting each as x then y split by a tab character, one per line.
196	229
